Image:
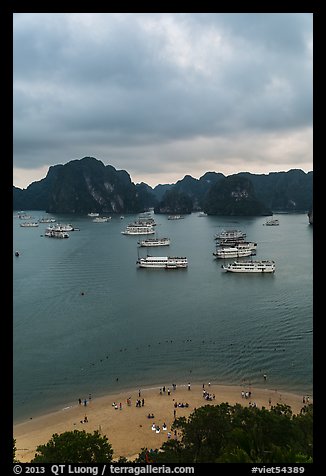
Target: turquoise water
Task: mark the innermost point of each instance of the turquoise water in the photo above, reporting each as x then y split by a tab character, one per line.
155	327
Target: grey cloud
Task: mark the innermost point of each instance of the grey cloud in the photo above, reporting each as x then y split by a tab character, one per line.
116	81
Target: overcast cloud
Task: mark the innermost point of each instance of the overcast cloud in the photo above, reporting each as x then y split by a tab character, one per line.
163	95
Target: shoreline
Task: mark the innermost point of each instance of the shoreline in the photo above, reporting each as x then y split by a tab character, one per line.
127	428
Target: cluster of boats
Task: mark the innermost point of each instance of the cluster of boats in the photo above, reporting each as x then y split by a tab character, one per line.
145	225
233	244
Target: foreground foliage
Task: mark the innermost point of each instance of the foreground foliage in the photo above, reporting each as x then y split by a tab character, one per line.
75	447
236	434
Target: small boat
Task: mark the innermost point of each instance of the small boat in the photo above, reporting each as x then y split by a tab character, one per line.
272	222
61	227
263	266
202	214
138	230
93	214
28	224
56	234
240	249
230	235
232	252
101	219
47	220
154	242
175	217
16	253
162	262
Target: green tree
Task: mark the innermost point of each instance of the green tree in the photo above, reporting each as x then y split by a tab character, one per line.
75	447
236	434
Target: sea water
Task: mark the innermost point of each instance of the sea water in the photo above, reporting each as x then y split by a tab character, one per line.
88	321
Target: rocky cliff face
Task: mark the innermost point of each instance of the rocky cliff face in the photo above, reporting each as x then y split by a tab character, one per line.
86	185
81	186
233	196
174	202
310	216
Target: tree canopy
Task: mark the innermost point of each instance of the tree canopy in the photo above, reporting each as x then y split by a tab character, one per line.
75	447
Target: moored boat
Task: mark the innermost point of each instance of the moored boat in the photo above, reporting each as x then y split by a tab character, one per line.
263	266
133	229
272	222
28	224
56	234
101	219
154	242
230	235
47	220
232	252
162	262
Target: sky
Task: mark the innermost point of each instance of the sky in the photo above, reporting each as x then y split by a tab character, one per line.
163	95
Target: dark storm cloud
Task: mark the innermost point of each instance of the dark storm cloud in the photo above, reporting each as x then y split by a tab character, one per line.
125	85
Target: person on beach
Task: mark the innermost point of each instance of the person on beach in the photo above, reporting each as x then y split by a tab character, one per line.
189	386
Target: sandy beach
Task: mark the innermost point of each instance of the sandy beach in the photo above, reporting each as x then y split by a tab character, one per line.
129	429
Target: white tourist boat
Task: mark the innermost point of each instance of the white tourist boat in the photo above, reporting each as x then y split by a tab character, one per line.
154	242
144	221
93	214
263	266
29	224
61	227
56	234
272	222
175	217
238	249
47	220
232	252
133	229
202	214
230	235
162	262
101	219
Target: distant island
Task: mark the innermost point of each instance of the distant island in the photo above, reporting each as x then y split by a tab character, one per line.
87	185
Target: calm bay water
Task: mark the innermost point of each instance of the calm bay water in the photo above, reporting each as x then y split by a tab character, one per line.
155	327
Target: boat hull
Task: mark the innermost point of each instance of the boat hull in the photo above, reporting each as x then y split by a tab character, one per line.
250	267
162	263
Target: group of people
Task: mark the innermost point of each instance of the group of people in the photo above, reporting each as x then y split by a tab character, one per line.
208	396
84	402
163	389
246	394
181	405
